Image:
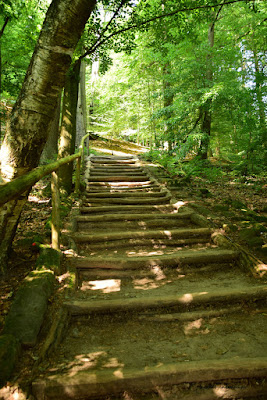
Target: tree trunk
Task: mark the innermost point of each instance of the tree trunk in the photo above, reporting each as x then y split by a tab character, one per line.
167	102
68	126
81	126
1	34
259	80
206	122
51	147
27	131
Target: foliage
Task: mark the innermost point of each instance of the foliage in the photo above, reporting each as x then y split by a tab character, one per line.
160	92
19	40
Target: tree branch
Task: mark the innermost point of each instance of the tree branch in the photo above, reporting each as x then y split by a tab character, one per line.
3	27
97	44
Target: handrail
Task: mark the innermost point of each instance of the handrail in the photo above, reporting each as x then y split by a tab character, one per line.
11	190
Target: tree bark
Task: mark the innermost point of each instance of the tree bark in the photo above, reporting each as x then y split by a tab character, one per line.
68	127
51	147
27	131
206	122
167	103
81	122
1	34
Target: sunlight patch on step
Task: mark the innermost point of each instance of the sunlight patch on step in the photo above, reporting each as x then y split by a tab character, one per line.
224	392
106	286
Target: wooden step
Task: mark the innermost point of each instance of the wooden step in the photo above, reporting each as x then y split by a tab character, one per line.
134	225
112	162
125	208
117	173
129	201
134	217
180	301
114	185
148	189
120	178
143	243
80	237
95	384
174	259
125	195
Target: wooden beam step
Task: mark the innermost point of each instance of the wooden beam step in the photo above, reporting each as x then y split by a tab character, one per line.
116	168
117	173
182	300
167	260
130	201
138	234
148	243
133	217
149	189
141	225
121	178
134	208
125	195
97	384
105	163
114	185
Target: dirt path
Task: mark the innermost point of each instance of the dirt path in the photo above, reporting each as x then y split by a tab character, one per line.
159	311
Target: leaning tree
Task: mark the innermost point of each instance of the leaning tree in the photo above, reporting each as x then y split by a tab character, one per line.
27	131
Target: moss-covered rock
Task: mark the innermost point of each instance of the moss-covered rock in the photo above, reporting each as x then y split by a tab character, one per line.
9	349
29	306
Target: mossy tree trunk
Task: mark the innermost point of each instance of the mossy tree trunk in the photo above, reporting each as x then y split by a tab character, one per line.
68	126
27	131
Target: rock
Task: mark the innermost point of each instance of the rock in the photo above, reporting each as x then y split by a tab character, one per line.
27	311
9	349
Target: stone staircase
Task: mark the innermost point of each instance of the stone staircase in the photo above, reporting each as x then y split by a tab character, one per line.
159	310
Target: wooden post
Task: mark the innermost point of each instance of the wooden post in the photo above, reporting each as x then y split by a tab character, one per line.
88	149
55	211
78	175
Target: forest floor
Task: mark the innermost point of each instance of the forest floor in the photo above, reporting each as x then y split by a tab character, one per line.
237	209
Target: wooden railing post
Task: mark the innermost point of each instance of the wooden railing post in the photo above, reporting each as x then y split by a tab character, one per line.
78	175
55	229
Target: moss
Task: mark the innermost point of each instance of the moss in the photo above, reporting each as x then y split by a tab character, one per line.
49	259
9	349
